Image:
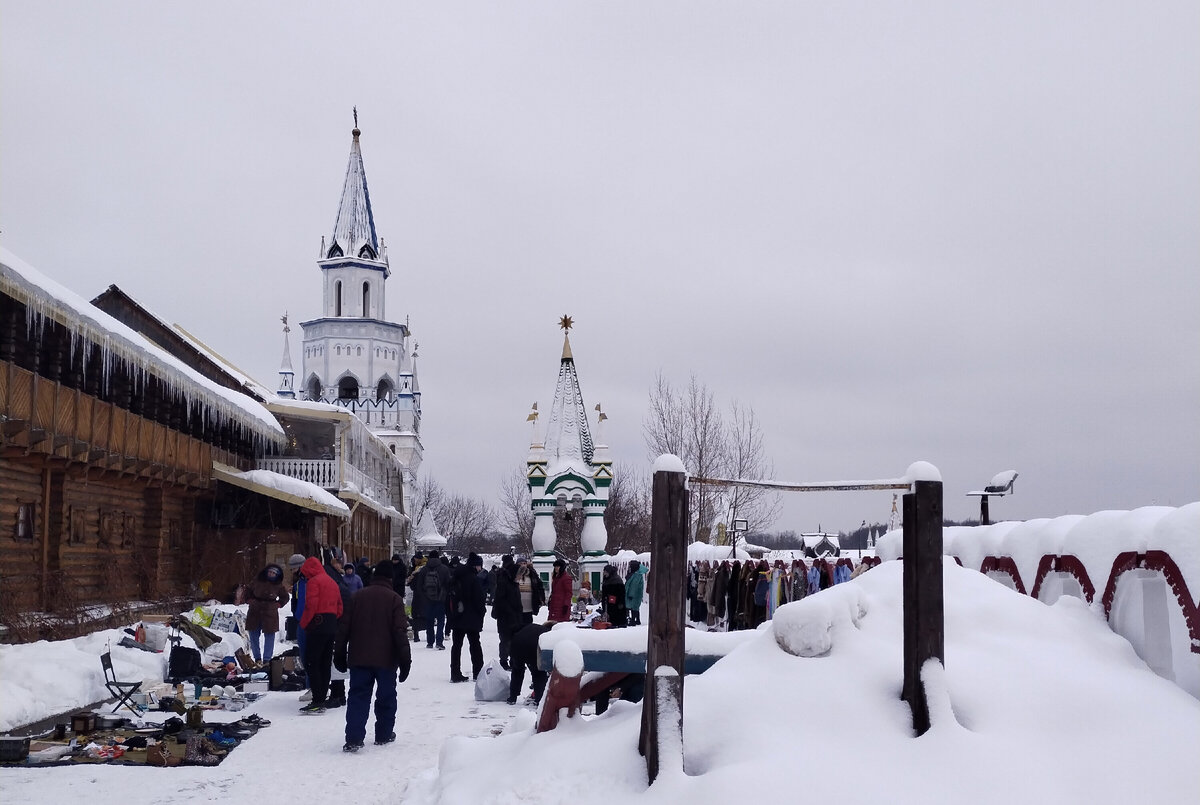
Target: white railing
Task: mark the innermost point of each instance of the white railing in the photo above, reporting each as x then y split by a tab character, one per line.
322	472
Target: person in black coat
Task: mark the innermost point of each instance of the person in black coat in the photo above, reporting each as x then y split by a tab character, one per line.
524	655
465	619
612	596
506	606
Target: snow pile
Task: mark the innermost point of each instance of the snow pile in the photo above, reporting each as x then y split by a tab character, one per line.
1023	711
292	486
42	679
806	628
568	659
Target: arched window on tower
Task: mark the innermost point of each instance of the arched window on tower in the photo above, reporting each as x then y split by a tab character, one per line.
337	298
348	388
313	389
366	300
384	390
338	350
359	353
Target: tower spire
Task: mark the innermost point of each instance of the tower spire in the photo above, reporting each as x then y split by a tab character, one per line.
286	375
354	228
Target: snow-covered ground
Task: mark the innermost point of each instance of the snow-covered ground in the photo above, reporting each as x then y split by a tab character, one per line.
1036	704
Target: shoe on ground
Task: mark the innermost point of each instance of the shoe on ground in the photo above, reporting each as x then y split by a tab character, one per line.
429	645
441	647
459	678
385	740
306	696
313	709
511	701
352	746
336	701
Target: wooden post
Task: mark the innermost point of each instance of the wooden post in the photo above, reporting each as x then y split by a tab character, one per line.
984	518
561	691
924	626
668	594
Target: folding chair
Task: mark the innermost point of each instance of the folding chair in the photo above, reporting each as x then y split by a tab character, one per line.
122	690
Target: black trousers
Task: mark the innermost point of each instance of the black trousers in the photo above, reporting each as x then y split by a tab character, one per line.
476	648
318	661
517	680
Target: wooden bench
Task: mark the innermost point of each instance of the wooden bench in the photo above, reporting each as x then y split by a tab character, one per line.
612	654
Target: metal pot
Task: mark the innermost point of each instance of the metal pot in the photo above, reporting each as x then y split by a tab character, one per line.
109	722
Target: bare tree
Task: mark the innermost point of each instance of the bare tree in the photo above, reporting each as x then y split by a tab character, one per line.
463	521
688	424
627	516
427	496
515	515
747	459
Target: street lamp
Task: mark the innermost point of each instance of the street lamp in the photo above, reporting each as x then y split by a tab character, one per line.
739	525
1001	485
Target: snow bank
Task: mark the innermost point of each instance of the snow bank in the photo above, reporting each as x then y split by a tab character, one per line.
806	628
1023	711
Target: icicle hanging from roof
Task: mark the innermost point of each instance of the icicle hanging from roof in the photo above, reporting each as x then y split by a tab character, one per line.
46	300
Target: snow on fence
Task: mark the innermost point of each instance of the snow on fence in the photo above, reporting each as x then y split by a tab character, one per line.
1140	569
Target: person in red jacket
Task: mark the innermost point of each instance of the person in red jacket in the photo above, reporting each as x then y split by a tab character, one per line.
561	587
322	608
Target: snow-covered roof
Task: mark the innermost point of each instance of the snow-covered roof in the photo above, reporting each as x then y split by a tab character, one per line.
568	438
249	383
283	487
354	227
119	344
430	541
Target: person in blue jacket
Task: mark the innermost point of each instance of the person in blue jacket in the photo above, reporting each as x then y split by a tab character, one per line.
635	590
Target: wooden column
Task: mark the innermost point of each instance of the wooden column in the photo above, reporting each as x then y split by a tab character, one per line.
668	593
924	626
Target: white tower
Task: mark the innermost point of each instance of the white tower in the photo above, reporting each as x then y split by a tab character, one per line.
354	356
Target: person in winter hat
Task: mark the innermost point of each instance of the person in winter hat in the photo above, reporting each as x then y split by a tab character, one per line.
612	596
506	606
353	580
322	608
635	590
372	643
561	587
532	591
266	595
467	608
434	582
335	567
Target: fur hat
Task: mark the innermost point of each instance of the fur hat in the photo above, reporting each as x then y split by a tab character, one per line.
382	570
474	560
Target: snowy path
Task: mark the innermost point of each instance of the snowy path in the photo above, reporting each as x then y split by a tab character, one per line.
297	758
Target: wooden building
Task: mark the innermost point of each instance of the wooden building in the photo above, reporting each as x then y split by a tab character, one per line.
129	467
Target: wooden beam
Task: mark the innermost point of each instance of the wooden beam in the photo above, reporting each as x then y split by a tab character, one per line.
924	608
667	593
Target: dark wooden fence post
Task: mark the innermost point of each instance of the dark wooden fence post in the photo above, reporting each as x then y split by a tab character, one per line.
924	623
668	594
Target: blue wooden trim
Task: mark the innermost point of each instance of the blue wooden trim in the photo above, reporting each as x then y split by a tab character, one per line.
628	662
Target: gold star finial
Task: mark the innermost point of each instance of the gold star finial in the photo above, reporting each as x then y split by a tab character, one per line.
565	322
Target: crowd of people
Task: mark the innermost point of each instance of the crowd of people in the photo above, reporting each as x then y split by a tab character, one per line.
353	624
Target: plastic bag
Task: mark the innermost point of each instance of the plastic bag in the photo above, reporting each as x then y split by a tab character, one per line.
492	683
200	617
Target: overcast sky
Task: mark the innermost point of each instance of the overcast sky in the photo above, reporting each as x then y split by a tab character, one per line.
967	233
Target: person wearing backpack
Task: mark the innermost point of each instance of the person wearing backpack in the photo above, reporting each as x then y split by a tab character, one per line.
433	581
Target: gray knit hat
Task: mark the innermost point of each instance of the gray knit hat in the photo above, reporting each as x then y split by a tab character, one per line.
294	561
